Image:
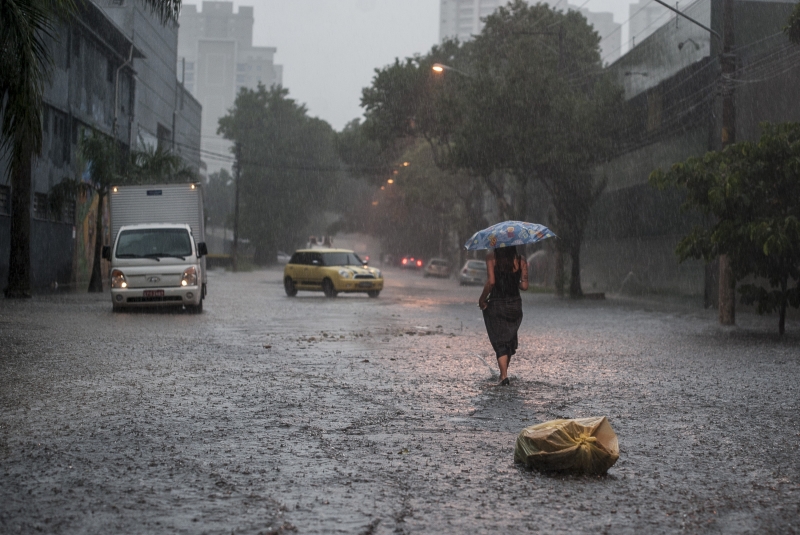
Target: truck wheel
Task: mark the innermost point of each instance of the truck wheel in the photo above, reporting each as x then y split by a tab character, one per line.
328	289
374	293
288	286
195	309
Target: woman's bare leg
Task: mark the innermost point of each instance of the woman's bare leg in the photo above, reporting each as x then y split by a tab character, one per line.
502	363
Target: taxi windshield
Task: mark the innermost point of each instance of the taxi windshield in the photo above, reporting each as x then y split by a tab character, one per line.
341	259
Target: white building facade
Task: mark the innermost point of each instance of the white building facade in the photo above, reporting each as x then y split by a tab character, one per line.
462	18
216	57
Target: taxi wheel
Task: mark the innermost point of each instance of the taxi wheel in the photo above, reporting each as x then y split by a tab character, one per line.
288	286
328	289
374	293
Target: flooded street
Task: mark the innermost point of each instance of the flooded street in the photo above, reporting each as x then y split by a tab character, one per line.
267	414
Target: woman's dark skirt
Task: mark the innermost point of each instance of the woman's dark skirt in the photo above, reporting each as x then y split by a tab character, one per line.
503	317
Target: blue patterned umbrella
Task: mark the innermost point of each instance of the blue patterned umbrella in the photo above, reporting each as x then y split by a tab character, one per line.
508	233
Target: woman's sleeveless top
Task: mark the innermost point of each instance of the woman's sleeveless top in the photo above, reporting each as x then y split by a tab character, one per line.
506	283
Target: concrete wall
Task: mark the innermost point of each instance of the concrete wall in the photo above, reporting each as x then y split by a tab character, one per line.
675	113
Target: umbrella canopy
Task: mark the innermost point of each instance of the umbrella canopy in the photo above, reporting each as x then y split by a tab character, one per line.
507	234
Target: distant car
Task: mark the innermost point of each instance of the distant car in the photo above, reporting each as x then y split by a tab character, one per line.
473	272
283	258
411	262
331	271
438	267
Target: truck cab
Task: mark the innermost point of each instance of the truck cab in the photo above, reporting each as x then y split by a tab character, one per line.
157	264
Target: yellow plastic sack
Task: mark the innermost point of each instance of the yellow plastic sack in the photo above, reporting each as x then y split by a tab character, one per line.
583	445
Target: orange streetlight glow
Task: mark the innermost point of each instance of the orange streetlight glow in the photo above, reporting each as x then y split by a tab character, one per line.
438	67
374	203
383	187
390	181
406	164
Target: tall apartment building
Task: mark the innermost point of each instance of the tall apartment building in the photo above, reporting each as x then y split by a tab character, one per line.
216	57
645	18
462	18
609	31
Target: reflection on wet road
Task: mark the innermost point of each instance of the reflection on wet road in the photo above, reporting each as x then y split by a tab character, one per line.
267	414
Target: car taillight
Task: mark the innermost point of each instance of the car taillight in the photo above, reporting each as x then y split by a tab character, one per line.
419	263
405	261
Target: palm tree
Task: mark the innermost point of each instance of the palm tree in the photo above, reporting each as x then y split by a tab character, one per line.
25	62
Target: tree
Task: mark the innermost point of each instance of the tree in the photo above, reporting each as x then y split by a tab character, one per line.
25	62
540	110
289	166
752	192
524	103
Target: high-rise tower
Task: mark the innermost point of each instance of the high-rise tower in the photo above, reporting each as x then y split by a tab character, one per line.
216	58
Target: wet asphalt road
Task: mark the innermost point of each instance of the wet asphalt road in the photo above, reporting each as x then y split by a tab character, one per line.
267	414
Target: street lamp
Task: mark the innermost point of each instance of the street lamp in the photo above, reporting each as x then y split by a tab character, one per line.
441	67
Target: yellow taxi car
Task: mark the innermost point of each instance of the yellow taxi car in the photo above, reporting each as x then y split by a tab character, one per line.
331	271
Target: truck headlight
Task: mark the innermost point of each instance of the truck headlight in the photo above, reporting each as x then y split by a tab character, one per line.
343	273
118	279
189	277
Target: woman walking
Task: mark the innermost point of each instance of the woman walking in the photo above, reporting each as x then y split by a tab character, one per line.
501	303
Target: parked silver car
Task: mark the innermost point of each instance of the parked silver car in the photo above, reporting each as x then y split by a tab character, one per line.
473	272
438	267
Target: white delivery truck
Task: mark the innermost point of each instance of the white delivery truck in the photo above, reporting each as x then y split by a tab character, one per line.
158	246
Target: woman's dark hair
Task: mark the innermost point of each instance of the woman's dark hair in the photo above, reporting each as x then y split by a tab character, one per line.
505	256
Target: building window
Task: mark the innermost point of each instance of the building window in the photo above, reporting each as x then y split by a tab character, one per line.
59	137
164	136
241	78
40	208
68	212
243	67
5	200
190	65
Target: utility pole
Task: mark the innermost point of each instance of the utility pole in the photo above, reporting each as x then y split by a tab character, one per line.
237	171
727	284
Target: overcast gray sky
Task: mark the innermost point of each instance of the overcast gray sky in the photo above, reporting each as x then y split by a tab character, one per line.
330	48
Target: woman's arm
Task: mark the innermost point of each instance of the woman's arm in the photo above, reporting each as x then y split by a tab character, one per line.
487	288
523	282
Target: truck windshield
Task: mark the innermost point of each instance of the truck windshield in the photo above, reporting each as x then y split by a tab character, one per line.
154	243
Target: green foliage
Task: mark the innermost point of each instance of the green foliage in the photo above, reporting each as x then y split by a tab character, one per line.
752	193
289	167
362	154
